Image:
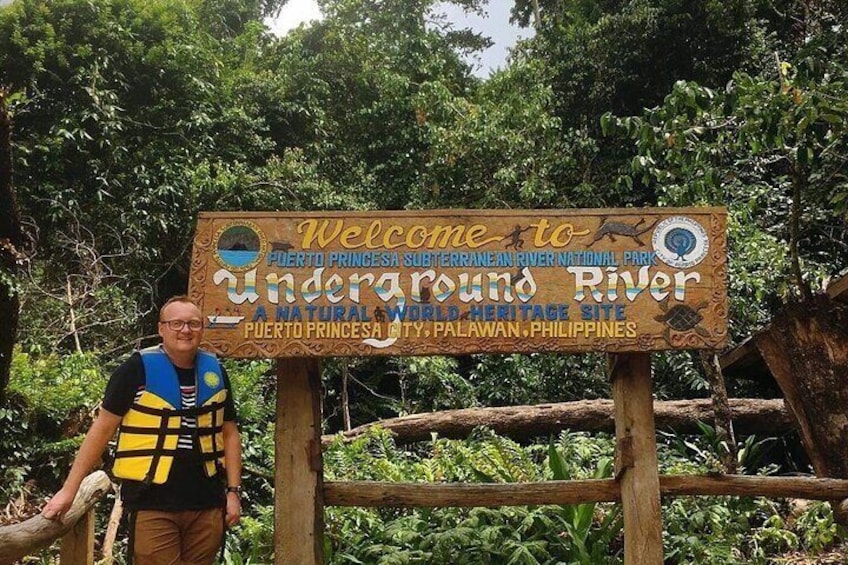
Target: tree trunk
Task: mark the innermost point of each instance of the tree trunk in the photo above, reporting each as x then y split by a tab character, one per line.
19	540
11	242
721	407
345	395
806	349
751	416
799	185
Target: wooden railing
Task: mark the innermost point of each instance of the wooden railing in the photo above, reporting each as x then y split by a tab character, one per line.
76	528
374	493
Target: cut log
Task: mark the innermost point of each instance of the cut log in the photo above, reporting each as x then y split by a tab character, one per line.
19	540
750	416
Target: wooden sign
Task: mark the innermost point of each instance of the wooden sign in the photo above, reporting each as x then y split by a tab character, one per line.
461	281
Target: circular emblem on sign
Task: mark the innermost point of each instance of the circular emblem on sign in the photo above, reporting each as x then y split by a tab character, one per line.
680	242
240	246
211	379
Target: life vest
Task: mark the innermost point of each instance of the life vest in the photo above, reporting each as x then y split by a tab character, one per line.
150	430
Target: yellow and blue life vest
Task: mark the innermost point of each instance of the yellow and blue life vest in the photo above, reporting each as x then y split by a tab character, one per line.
150	430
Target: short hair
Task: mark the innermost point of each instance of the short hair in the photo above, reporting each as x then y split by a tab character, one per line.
178	298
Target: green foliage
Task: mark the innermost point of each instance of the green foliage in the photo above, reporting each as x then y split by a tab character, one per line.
56	386
707	450
16	449
432	383
752	147
817	529
134	115
502	146
534	379
571	534
50	398
624	56
128	104
251	542
589	544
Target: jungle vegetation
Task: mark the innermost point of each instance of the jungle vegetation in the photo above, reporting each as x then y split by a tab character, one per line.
128	117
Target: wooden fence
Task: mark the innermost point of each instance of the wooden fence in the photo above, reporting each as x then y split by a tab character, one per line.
76	528
301	494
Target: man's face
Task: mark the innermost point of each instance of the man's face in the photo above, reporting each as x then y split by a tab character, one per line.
185	341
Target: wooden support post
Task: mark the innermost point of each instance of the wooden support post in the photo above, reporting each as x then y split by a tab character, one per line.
78	543
299	475
636	458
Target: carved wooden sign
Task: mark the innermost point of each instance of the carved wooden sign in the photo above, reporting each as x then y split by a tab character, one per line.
461	281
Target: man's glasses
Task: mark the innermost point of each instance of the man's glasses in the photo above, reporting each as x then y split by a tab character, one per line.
178	325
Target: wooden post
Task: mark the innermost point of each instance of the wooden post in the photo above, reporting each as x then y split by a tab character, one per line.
112	528
78	543
636	458
299	475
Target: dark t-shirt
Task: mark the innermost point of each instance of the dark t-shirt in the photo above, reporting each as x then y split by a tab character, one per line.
187	487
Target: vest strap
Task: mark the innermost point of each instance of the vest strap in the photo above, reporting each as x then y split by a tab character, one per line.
157	452
183	431
174	412
168	453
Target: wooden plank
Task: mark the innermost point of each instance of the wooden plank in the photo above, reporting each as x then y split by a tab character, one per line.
452	282
434	495
373	494
809	488
299	489
744	361
838	289
78	544
640	485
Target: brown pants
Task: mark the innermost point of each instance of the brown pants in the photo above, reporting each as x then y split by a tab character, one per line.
187	537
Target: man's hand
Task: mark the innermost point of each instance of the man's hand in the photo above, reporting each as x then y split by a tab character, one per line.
233	509
57	506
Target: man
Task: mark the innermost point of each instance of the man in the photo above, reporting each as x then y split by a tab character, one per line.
178	443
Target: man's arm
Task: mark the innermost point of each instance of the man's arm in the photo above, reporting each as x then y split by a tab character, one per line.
232	463
92	447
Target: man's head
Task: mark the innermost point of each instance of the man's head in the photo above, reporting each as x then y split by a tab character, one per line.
181	327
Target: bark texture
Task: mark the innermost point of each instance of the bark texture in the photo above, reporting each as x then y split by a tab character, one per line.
806	349
721	407
750	416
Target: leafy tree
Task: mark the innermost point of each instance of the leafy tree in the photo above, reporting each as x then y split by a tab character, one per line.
774	150
621	56
353	85
138	115
502	146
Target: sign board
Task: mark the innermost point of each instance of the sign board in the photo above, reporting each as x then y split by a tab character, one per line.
276	284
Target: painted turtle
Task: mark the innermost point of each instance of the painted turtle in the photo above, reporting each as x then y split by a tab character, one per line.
682	318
